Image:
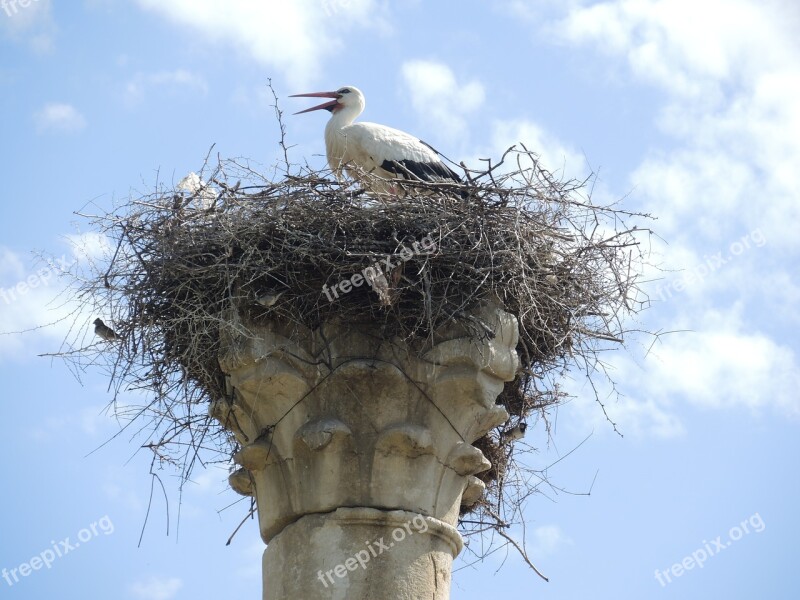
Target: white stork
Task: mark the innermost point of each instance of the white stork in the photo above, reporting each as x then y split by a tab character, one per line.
374	154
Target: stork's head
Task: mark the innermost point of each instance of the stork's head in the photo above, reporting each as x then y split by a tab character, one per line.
345	97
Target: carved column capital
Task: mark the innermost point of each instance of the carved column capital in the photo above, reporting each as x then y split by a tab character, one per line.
342	417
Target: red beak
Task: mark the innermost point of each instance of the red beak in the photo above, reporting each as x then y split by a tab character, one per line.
326	105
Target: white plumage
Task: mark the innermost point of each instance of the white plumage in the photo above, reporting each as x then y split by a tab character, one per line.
204	194
515	433
373	154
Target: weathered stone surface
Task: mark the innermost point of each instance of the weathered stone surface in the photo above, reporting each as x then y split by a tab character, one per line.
362	554
341	417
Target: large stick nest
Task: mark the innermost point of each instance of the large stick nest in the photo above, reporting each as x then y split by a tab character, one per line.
267	246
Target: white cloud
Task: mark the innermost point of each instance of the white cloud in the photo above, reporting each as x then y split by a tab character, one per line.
90	246
737	167
58	117
731	74
32	24
692	278
294	37
156	588
205	483
211	480
721	366
646	419
710	362
554	155
635	417
540	10
34	296
179	79
547	540
11	265
23	15
28	300
688	47
439	98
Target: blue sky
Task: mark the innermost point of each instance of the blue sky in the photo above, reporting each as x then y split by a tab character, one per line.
688	110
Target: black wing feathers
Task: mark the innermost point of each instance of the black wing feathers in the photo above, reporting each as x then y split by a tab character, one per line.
426	171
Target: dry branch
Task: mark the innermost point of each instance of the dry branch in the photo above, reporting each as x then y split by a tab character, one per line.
268	246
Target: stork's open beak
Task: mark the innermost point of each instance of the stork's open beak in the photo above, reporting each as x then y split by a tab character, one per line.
326	105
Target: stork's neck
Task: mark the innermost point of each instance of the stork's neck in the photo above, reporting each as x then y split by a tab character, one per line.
344	117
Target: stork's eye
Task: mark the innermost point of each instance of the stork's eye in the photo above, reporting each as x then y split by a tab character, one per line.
344	91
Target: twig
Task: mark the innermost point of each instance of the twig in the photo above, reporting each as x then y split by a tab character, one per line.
521	551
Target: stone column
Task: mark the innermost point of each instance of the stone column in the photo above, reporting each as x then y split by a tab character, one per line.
358	449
